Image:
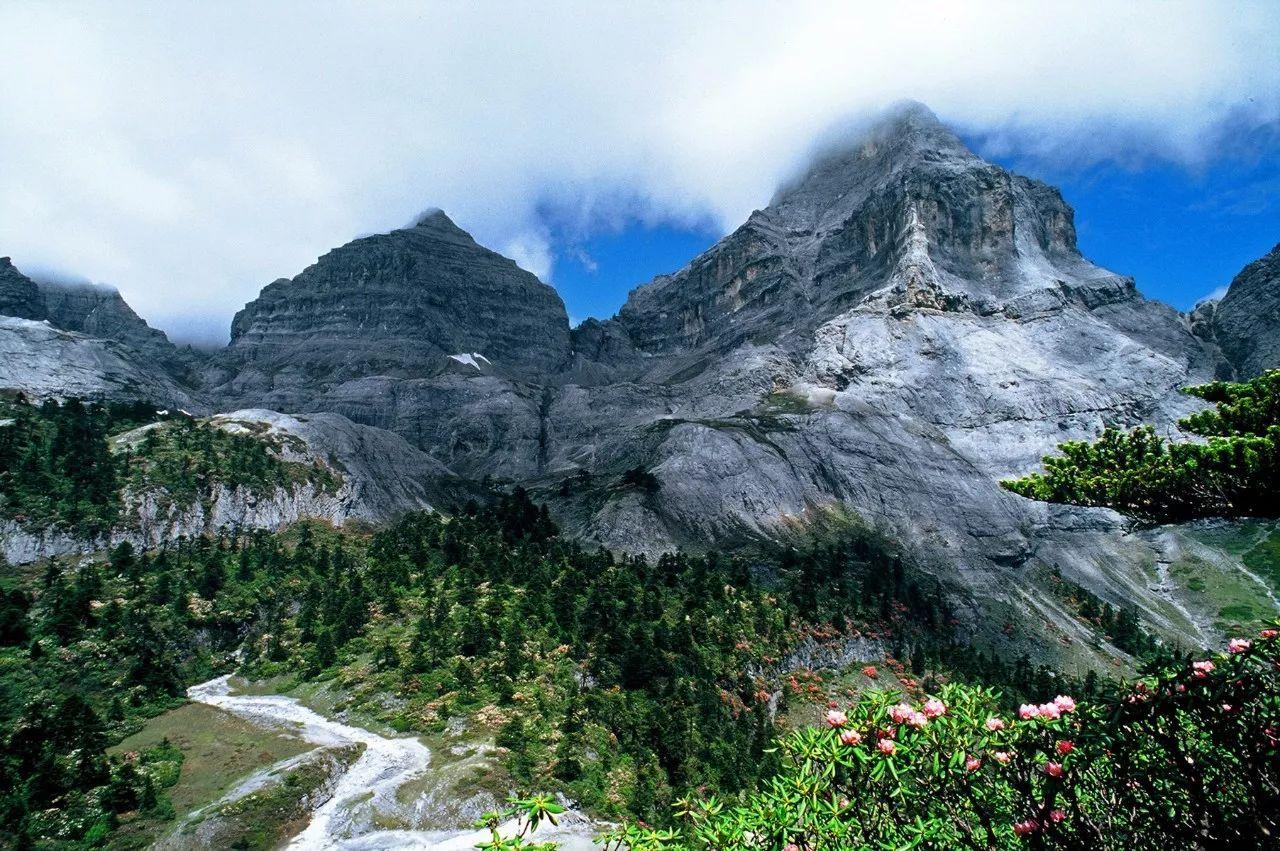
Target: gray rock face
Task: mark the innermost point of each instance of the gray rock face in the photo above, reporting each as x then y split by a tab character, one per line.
43	361
1246	322
88	343
396	305
99	311
908	218
903	327
19	295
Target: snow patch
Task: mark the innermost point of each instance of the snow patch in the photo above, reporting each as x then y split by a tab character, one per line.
471	359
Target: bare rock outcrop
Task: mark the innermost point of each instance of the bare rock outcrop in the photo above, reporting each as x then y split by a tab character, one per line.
1246	322
100	311
19	295
398	305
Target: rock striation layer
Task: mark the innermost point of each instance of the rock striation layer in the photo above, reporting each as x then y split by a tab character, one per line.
395	305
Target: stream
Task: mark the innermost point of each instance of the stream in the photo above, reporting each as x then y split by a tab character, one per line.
368	787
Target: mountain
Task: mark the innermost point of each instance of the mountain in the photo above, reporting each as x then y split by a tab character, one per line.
76	341
1245	323
397	305
19	296
901	328
100	311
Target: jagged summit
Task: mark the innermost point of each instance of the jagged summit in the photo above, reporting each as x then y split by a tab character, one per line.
435	224
435	218
908	135
19	295
98	310
903	216
390	305
1246	322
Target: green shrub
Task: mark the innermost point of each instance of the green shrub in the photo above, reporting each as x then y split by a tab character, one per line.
1186	758
1233	472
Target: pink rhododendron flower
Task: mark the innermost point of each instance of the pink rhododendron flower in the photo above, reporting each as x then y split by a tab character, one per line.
1065	747
836	718
994	724
870	671
1027	711
1239	645
972	764
901	713
1002	757
1202	669
1053	769
887	746
1050	711
1227	707
1065	702
934	707
850	737
1269	633
1022	828
918	720
1057	816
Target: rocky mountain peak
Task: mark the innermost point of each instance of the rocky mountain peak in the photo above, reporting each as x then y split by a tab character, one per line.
437	219
19	295
903	216
907	137
100	311
396	305
1246	322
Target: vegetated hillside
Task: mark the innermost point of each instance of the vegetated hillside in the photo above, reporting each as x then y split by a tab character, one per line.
621	681
1228	569
79	476
59	467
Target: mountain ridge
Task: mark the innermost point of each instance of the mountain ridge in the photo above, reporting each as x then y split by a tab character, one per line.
904	326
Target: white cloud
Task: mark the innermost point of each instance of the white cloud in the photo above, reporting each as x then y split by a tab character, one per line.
189	154
1217	294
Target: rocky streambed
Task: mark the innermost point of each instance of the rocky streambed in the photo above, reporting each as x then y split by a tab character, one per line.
354	783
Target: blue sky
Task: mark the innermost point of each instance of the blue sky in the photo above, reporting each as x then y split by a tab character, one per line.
1180	229
594	276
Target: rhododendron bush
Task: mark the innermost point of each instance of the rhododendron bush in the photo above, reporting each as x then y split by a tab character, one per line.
1186	757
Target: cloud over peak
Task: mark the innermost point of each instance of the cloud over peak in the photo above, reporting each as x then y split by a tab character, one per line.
191	154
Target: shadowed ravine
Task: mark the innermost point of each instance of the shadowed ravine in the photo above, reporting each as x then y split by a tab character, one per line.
366	792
